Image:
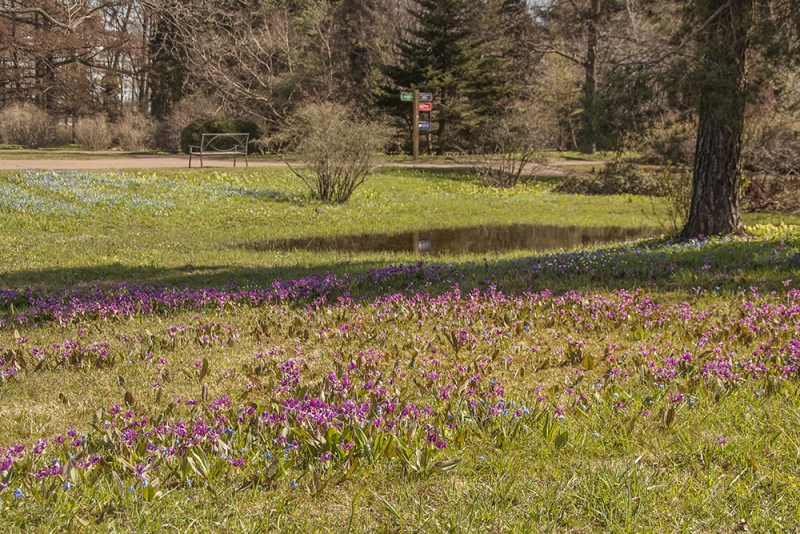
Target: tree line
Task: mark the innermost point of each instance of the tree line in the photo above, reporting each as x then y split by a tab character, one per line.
683	78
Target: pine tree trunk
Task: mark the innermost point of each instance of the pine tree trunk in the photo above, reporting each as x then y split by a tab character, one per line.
717	178
717	181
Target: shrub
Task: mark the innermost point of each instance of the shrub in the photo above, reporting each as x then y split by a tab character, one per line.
93	133
27	125
673	184
338	150
134	132
190	108
618	177
192	133
509	145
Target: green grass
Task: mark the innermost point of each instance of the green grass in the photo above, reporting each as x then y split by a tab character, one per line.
195	219
722	457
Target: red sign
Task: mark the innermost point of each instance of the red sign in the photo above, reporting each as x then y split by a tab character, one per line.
425	106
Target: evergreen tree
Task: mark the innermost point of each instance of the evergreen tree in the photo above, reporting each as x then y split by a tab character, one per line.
446	56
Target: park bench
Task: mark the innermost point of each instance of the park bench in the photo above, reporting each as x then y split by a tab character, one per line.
221	143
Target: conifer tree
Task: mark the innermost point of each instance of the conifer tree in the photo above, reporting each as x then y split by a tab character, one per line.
445	55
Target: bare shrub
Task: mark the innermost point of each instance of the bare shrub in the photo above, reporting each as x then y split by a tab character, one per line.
93	133
617	177
771	144
673	185
510	145
191	108
63	134
134	132
28	126
338	151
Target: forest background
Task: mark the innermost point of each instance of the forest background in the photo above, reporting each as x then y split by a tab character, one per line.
623	76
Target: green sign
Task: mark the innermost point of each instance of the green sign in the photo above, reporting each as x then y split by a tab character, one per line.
407	97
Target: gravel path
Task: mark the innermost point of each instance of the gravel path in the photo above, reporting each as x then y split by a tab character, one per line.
553	168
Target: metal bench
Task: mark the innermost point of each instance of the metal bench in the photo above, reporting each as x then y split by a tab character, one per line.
211	144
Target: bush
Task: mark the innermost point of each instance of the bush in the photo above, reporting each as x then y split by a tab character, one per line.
93	133
618	177
27	125
134	132
509	145
190	108
673	184
192	133
338	150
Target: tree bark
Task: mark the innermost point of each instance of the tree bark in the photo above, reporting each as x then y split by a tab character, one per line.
588	138
717	175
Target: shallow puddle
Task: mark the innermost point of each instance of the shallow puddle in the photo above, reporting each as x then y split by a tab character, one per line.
476	239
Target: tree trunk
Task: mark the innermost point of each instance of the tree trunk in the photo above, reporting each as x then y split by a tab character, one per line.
717	178
588	138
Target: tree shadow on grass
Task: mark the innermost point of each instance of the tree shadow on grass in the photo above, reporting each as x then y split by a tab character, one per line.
657	265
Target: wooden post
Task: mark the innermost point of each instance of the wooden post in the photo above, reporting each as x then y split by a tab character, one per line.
415	125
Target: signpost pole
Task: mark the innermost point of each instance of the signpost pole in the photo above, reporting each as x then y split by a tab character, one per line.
415	126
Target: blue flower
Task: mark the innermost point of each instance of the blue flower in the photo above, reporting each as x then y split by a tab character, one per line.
18	493
292	484
69	486
481	458
268	455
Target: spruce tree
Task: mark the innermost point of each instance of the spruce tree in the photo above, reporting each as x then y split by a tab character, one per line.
446	56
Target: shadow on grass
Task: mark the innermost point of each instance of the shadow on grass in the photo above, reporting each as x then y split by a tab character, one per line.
657	265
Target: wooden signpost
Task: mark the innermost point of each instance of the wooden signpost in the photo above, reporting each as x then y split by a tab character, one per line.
421	102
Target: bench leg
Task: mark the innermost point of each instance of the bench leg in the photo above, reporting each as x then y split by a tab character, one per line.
246	163
201	160
234	159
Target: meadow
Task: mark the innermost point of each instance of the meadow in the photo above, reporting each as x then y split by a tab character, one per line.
155	375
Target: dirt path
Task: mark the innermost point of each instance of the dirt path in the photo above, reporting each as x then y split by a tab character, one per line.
553	168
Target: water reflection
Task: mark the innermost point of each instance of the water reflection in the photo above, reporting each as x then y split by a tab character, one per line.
477	239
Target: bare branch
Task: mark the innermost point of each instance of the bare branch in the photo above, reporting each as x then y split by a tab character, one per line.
9	12
691	36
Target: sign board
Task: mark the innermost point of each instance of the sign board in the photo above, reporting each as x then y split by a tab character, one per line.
424	126
407	97
426	97
425	106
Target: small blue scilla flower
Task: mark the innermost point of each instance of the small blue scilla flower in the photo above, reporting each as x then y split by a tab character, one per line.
596	435
188	482
367	447
69	486
258	471
223	455
144	483
616	395
758	394
242	449
18	493
692	400
481	458
268	455
292	484
229	430
130	489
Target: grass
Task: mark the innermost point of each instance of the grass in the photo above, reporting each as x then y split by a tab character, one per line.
184	226
645	387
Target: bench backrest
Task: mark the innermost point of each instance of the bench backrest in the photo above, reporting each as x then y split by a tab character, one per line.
220	142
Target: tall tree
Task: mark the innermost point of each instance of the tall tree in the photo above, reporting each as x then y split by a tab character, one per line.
465	69
726	36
